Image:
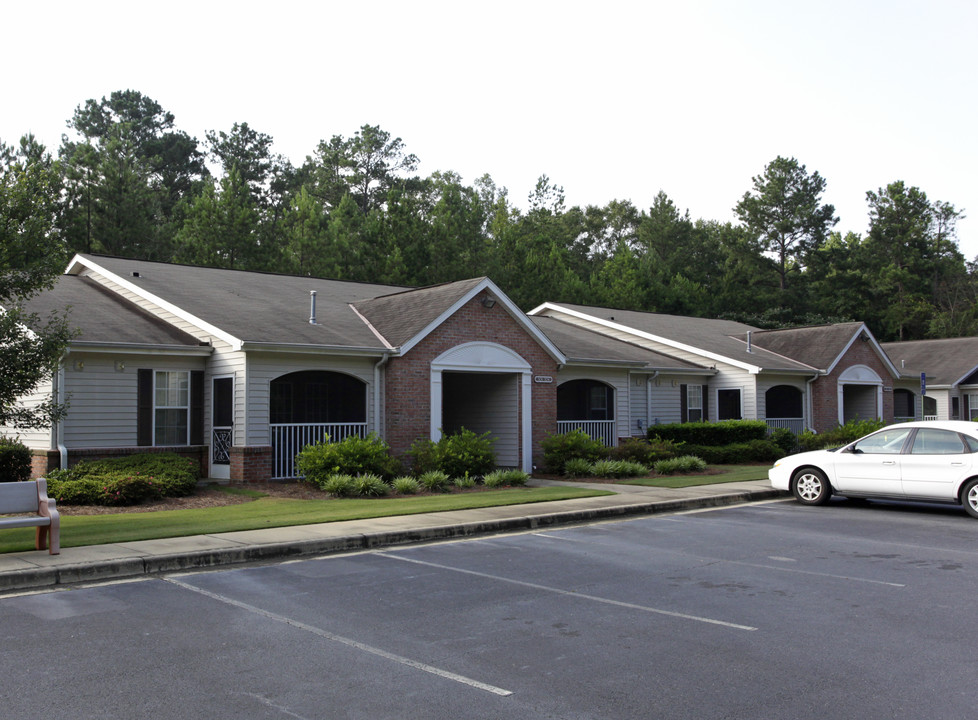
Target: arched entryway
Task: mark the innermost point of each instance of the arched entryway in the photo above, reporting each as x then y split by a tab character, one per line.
485	387
860	394
307	406
588	405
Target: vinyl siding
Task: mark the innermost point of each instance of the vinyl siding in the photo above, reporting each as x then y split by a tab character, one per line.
498	412
102	399
34	438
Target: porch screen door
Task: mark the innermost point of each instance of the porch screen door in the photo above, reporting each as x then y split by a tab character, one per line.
222	416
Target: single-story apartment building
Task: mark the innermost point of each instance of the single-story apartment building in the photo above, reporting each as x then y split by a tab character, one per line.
240	370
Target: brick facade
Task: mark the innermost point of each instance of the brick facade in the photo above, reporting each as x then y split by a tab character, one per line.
825	390
250	463
408	378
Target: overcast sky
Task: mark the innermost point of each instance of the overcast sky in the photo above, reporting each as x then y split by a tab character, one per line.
612	100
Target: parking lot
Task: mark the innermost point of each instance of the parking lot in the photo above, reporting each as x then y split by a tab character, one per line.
769	610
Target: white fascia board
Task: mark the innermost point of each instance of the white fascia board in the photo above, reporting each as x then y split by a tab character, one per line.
963	377
716	357
78	262
502	299
879	351
140	349
305	349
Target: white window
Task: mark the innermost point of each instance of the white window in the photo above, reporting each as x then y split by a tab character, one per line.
694	403
972	407
171	408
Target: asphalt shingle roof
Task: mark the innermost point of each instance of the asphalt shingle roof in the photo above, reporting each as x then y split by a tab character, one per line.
945	361
818	345
724	338
101	316
258	307
583	345
402	315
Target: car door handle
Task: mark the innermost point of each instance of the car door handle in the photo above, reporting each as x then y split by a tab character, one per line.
889	462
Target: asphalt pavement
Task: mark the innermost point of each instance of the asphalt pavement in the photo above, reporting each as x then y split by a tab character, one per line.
37	569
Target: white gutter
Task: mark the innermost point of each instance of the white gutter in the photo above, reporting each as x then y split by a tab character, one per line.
377	367
648	399
59	430
811	410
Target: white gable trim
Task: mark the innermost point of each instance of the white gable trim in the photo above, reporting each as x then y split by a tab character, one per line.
876	348
506	303
716	357
78	264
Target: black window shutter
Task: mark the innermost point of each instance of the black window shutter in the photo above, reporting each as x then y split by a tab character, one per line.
197	407
706	409
683	405
144	407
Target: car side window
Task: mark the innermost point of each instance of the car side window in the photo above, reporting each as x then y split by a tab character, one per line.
972	443
885	442
937	442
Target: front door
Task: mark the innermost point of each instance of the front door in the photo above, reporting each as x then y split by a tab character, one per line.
222	430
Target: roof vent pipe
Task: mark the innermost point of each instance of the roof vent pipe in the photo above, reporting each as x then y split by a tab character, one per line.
312	307
750	347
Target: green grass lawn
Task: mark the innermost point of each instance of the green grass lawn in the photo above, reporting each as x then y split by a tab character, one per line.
269	512
729	473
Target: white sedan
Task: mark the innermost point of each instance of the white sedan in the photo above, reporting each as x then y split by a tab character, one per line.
935	461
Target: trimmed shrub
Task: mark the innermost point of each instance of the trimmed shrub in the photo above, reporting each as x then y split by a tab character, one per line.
127	480
737	453
839	436
577	467
502	478
466	453
725	432
784	439
405	485
434	481
558	449
644	451
15	461
353	455
680	465
456	455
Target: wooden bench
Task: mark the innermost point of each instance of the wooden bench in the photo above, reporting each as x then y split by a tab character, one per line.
32	497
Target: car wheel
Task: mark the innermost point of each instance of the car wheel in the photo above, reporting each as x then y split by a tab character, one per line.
811	487
969	497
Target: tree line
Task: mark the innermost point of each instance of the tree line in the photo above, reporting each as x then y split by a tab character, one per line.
126	181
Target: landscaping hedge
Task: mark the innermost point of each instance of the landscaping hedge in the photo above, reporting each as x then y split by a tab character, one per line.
725	432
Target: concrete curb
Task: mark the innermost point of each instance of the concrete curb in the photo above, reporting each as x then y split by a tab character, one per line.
138	565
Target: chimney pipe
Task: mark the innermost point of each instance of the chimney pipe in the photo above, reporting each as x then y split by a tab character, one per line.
750	347
312	307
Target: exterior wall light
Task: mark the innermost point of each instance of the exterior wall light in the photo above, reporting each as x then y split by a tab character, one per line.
488	302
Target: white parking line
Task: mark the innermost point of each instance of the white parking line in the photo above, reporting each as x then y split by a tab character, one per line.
340	639
570	593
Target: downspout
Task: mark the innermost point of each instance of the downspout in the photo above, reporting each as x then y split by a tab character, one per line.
377	368
59	428
648	400
810	420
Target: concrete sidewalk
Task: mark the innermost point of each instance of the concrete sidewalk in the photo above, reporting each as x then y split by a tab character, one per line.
37	569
